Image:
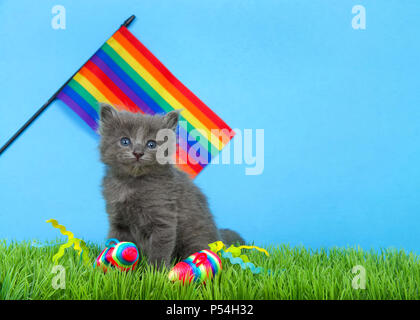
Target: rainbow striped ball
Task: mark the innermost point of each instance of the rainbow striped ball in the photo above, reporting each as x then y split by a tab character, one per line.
197	267
121	255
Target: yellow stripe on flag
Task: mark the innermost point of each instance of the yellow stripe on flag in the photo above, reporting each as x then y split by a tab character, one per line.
85	83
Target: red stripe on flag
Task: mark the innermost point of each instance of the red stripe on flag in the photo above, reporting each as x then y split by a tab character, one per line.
182	154
187	169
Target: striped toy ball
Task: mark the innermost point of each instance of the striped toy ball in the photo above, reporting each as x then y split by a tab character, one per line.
122	255
197	267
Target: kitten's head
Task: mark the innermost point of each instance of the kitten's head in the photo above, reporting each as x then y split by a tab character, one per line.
129	141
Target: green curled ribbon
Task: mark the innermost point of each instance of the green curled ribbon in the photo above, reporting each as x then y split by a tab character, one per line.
235	256
239	261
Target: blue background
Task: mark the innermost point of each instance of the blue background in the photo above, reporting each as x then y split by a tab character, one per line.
340	109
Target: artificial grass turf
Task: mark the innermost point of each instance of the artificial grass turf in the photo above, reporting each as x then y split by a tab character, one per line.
296	273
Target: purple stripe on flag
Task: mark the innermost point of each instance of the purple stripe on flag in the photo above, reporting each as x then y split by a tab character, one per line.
186	141
121	84
76	108
198	158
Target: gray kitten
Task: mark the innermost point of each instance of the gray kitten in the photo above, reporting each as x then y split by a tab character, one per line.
154	205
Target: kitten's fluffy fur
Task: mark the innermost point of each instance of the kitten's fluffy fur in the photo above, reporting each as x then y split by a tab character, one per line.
153	205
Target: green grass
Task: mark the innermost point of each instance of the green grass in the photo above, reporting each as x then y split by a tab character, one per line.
25	273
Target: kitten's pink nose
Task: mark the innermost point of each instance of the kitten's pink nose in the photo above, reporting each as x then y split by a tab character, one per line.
138	155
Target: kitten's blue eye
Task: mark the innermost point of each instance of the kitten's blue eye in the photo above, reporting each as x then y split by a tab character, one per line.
125	141
151	144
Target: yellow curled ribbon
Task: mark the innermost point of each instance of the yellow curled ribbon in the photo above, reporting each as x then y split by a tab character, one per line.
236	251
78	244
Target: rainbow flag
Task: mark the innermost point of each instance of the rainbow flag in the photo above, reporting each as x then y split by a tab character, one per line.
125	74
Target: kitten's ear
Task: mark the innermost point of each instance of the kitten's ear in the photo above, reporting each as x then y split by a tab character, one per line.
107	112
170	119
107	116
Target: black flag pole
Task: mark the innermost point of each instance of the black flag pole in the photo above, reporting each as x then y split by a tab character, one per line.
50	100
